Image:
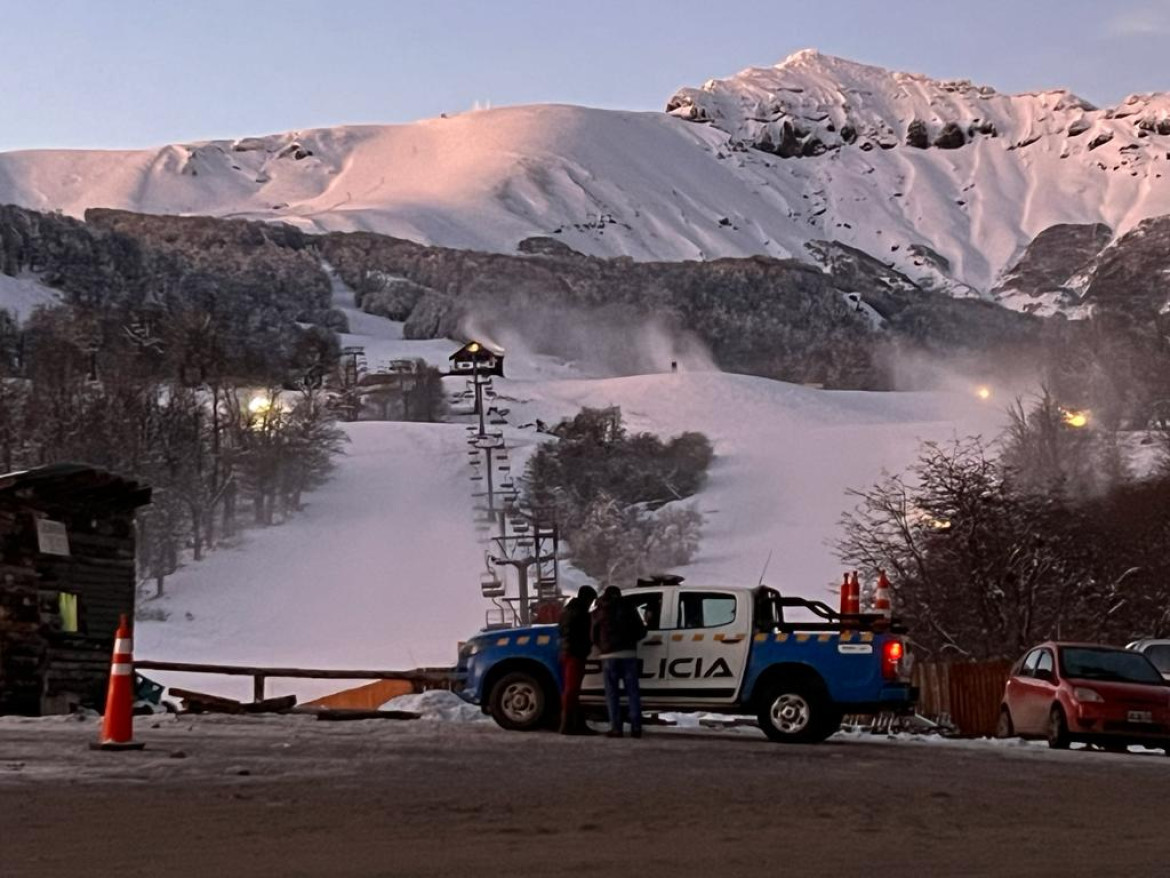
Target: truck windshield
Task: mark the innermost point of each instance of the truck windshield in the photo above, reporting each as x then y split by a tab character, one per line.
1117	665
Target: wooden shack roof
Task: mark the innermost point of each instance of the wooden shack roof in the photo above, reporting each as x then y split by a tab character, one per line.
476	350
62	483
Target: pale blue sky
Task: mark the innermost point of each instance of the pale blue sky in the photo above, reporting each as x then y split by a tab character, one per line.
130	73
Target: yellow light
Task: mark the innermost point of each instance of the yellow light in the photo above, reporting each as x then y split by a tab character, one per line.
1076	419
940	524
473	347
259	405
983	392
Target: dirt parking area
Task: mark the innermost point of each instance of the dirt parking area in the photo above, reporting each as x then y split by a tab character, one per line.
290	796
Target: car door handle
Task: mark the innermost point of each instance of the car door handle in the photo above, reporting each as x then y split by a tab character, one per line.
731	640
657	641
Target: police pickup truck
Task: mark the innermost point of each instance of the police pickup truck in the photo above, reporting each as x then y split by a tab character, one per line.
714	649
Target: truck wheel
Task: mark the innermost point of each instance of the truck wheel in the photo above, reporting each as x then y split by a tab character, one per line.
1057	729
797	713
518	702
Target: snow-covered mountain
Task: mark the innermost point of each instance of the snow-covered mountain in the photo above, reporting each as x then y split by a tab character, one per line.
947	181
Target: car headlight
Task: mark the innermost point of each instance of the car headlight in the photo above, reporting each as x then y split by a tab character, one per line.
1081	693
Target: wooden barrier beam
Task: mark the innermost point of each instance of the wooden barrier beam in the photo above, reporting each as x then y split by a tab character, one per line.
437	675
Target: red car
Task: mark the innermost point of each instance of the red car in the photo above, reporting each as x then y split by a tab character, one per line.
1104	695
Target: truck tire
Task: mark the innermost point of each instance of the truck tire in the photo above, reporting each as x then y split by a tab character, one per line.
797	712
519	703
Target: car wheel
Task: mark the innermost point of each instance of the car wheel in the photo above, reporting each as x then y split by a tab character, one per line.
1057	729
797	713
519	702
1005	728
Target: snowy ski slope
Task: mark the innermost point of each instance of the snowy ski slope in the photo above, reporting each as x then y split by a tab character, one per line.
382	568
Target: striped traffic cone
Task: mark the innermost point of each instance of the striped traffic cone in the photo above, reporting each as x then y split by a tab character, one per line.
118	722
881	596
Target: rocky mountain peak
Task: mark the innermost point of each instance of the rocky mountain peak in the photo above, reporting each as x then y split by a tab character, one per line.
812	103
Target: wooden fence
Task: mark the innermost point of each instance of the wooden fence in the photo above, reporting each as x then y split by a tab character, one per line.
966	694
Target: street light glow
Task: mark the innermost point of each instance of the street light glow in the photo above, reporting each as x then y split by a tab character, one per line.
983	392
1075	418
259	405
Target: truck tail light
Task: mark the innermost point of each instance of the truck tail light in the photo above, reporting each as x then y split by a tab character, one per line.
892	653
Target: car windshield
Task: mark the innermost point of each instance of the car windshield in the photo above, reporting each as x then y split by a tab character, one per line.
1117	665
1159	654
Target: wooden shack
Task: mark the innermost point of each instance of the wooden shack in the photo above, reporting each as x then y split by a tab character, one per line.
67	572
477	357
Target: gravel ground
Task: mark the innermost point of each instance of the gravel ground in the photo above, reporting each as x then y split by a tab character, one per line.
290	796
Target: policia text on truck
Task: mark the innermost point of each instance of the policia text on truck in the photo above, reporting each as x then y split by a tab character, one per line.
715	649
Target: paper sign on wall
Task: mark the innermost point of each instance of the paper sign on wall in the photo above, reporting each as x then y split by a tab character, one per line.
52	538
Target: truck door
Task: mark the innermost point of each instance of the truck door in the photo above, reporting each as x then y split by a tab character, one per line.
653	605
708	646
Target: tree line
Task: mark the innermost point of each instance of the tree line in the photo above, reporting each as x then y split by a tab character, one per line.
615	495
1045	533
218	452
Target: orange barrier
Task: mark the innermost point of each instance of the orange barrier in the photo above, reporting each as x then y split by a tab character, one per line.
118	720
371	696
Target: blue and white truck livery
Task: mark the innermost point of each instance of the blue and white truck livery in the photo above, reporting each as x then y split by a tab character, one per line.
715	649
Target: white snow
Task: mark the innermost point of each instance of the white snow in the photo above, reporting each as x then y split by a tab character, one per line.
438	705
652	185
379	571
21	295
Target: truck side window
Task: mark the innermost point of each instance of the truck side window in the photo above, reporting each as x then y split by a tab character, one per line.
698	609
649	607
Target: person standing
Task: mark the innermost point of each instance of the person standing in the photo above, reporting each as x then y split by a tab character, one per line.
617	630
576	644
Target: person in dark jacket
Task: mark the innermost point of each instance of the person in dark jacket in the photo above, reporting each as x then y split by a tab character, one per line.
576	644
617	631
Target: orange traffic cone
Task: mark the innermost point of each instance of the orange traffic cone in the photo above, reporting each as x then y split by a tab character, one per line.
118	722
854	594
881	596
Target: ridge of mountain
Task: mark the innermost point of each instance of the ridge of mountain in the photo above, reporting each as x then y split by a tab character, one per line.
944	181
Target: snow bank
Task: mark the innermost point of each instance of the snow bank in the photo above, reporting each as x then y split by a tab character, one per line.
438	705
